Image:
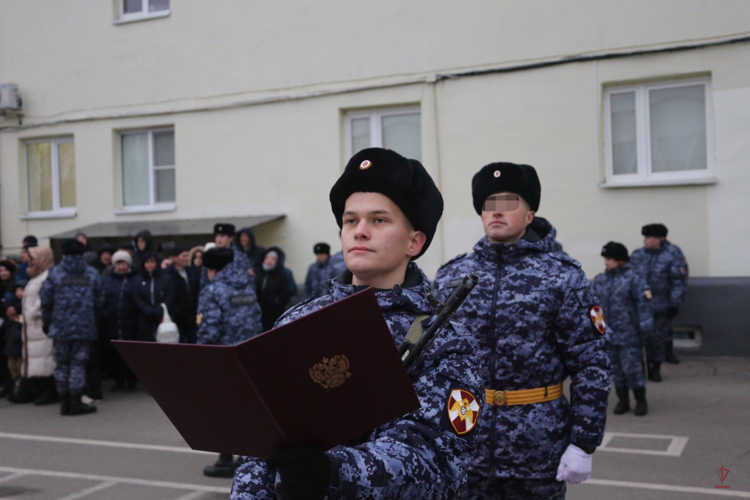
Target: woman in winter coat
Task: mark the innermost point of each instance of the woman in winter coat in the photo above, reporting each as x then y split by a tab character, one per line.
275	286
38	362
152	288
120	317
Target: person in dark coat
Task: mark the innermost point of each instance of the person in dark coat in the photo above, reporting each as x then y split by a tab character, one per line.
142	243
275	286
152	288
119	317
7	282
185	306
245	241
104	262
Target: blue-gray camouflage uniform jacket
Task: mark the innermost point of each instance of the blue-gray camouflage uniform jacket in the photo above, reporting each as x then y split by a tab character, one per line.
661	270
626	300
72	297
419	455
228	309
317	275
531	314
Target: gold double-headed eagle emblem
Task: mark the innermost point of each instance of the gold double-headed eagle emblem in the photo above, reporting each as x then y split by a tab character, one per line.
331	372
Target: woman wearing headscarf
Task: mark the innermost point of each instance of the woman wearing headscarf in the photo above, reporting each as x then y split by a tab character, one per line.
38	362
275	286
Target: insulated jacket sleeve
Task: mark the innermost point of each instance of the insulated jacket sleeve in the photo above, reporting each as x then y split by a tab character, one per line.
47	296
584	349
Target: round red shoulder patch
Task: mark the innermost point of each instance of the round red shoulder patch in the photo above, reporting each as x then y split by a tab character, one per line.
463	410
596	313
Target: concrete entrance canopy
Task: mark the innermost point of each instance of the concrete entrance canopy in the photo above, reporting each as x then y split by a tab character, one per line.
174	227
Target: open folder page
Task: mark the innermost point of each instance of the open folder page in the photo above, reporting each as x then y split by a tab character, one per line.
320	380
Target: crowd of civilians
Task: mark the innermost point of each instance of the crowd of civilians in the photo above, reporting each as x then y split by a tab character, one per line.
136	279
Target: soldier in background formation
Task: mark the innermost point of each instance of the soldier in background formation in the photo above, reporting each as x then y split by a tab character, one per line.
71	297
664	268
389	208
319	271
228	313
626	298
537	322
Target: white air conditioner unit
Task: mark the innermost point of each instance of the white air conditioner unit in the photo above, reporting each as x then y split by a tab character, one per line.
10	98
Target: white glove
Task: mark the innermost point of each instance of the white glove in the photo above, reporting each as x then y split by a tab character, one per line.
575	465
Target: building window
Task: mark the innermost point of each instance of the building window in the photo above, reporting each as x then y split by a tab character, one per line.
659	132
148	170
135	10
51	175
398	129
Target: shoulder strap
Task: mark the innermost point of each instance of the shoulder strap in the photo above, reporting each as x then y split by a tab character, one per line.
416	330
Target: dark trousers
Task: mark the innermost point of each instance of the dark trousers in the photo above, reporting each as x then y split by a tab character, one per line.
516	489
71	358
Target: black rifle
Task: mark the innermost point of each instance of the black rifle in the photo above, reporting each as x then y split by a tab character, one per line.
410	352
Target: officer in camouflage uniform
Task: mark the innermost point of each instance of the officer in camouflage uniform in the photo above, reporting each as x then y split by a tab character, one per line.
666	276
537	322
72	296
319	271
389	208
228	313
223	237
626	299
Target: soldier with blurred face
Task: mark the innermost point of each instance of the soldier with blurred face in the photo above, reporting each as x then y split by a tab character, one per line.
537	322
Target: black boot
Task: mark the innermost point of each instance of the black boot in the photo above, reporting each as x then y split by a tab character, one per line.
224	467
670	357
49	396
649	369
655	372
64	404
78	407
641	406
623	405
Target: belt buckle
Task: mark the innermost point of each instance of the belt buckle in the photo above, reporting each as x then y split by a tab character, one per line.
499	398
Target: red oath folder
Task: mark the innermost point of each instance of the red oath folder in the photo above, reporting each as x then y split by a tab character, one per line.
320	380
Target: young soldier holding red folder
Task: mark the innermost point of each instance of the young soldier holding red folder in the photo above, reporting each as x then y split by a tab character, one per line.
388	208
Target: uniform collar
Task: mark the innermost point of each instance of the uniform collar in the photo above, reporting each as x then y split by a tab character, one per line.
410	296
539	237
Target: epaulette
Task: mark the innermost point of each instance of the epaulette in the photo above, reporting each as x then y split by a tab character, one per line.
563	257
454	259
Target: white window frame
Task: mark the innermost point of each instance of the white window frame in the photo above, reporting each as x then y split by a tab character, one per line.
139	16
644	176
153	205
376	127
57	211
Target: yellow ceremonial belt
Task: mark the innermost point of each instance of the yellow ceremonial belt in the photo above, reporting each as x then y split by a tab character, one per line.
523	397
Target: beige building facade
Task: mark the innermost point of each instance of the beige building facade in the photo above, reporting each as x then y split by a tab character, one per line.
163	113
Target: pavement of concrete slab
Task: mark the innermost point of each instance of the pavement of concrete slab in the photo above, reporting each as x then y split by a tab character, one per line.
698	421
